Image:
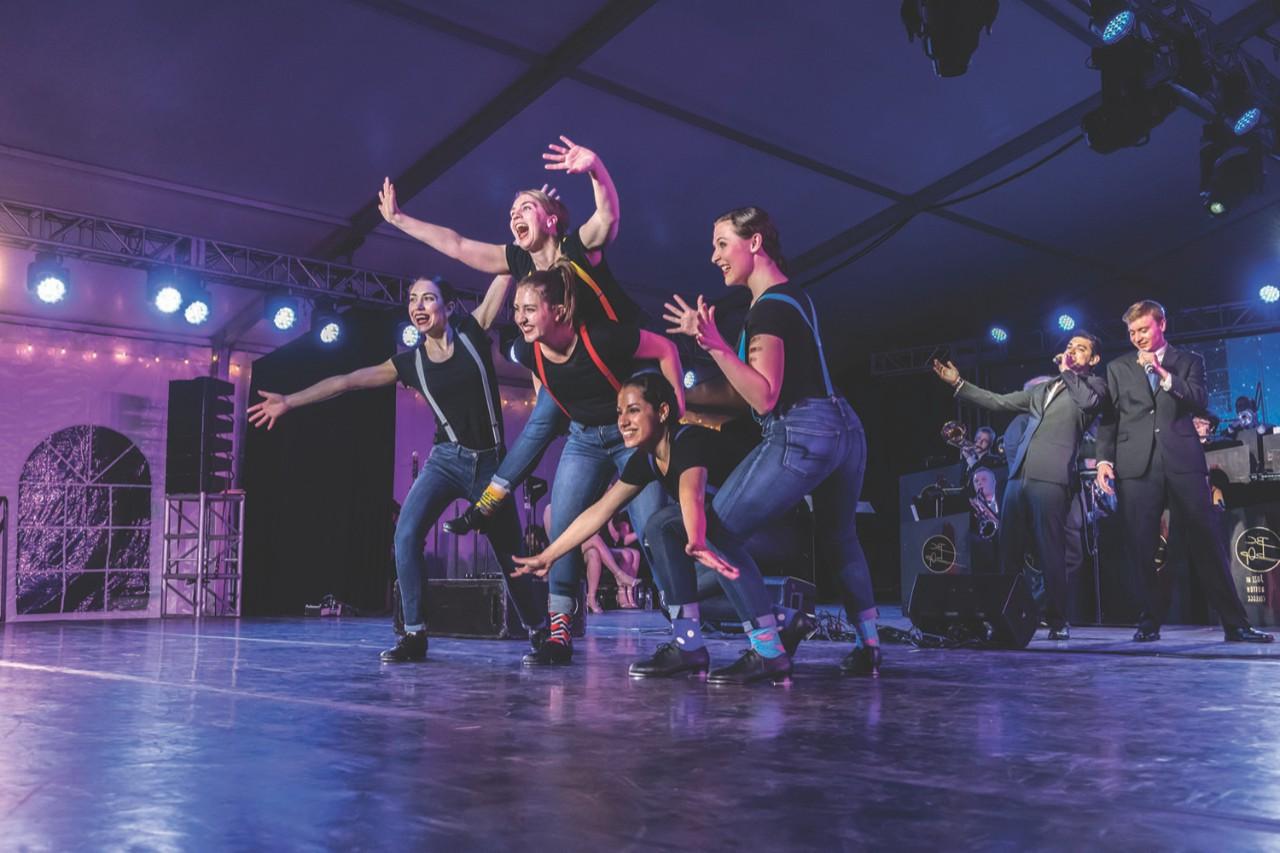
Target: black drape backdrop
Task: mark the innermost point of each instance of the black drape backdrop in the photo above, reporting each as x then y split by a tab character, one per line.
318	513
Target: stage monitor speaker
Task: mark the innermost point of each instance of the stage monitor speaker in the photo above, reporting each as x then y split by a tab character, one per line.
198	446
994	607
480	608
794	593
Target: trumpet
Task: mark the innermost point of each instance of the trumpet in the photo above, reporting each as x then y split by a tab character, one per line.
988	521
954	433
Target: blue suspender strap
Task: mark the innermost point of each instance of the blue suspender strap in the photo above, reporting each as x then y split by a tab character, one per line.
813	327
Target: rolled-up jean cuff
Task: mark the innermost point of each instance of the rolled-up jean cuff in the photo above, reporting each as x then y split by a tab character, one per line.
498	481
561	603
413	629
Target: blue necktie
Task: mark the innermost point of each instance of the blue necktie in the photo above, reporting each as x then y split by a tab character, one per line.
1153	379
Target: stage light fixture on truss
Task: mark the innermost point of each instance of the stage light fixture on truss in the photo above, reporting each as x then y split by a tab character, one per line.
1111	20
948	30
407	334
1131	106
690	379
1269	293
1066	322
326	324
1240	106
1231	169
167	289
47	279
282	311
999	334
199	307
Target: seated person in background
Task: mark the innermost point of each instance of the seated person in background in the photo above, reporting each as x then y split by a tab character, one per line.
982	455
1206	425
615	548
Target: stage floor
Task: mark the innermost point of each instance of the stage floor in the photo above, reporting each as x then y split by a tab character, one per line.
289	734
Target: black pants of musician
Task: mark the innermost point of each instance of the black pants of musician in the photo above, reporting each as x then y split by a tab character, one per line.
1142	500
1034	518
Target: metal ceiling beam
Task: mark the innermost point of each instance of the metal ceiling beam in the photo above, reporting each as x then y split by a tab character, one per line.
545	72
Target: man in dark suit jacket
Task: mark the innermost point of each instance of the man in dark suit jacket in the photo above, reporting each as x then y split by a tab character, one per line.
1042	468
1148	444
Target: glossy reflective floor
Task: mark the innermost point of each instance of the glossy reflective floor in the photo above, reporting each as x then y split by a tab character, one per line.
288	734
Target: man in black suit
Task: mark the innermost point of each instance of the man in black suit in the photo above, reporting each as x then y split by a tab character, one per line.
1148	444
1042	468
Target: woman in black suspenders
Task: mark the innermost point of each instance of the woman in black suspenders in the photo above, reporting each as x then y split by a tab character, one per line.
812	443
577	366
453	369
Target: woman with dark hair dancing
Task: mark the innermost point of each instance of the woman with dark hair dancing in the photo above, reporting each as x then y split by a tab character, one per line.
576	365
453	370
812	443
542	236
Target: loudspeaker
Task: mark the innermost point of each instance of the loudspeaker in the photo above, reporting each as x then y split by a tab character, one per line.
481	608
997	607
795	593
198	445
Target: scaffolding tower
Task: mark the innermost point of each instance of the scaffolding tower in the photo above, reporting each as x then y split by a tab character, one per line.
203	554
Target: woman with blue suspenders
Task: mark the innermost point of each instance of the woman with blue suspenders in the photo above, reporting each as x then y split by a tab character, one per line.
453	369
577	365
812	442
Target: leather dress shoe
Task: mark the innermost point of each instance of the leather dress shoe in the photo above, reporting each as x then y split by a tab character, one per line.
470	519
1146	635
1060	635
864	660
801	627
537	637
671	660
752	667
1245	634
410	647
549	654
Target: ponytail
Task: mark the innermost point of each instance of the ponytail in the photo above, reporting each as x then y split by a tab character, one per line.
558	286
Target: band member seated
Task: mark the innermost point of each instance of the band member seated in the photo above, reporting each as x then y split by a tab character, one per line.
984	522
1149	453
1248	430
1042	471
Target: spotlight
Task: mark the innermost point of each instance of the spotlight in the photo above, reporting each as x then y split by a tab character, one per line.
999	334
1247	121
1130	108
327	324
199	306
1230	169
407	334
690	379
47	279
166	289
1066	322
1111	21
1238	102
948	30
282	311
1269	293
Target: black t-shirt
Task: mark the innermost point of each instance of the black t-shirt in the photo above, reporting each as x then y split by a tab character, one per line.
589	307
578	385
691	447
457	386
802	371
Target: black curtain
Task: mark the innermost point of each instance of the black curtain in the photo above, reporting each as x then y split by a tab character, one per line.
318	512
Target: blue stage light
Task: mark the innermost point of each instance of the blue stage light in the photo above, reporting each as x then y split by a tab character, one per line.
47	279
1269	293
330	332
167	299
690	379
1066	322
199	306
409	335
282	311
1247	121
1119	26
999	335
284	318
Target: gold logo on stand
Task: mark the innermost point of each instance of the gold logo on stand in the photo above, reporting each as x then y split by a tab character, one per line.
1258	549
938	554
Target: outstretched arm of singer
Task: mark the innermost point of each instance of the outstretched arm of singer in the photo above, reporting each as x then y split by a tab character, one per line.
1016	401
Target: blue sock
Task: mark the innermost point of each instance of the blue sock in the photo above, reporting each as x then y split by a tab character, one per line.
766	643
867	633
686	627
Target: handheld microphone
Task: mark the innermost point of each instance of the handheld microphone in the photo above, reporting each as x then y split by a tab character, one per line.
1149	367
1057	359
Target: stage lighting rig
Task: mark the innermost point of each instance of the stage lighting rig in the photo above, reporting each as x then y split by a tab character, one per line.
407	334
326	323
1135	98
1112	20
948	30
1230	169
47	279
282	311
199	305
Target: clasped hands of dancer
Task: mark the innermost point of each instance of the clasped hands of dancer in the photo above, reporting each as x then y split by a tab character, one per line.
540	564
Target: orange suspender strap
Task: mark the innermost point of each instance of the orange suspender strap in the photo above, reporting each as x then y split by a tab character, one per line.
595	356
591	282
542	374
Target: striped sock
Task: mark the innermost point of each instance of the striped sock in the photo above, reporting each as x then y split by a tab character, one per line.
560	623
766	643
490	499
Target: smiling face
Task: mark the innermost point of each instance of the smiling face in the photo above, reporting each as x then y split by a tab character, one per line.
734	255
534	316
1146	333
639	422
531	223
1082	354
427	309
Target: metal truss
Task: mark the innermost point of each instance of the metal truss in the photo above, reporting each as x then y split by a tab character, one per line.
112	241
901	362
1229	320
203	555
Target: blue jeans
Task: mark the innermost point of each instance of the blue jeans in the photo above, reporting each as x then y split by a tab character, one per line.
546	421
592	457
818	447
454	472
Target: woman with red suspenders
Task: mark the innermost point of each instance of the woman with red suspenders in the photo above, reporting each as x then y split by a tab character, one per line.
578	365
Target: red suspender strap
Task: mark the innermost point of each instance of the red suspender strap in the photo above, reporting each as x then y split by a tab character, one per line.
595	356
591	282
542	375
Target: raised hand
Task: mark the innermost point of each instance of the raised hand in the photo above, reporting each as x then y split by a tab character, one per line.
536	565
948	372
550	191
569	157
272	406
704	555
709	337
387	202
682	316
